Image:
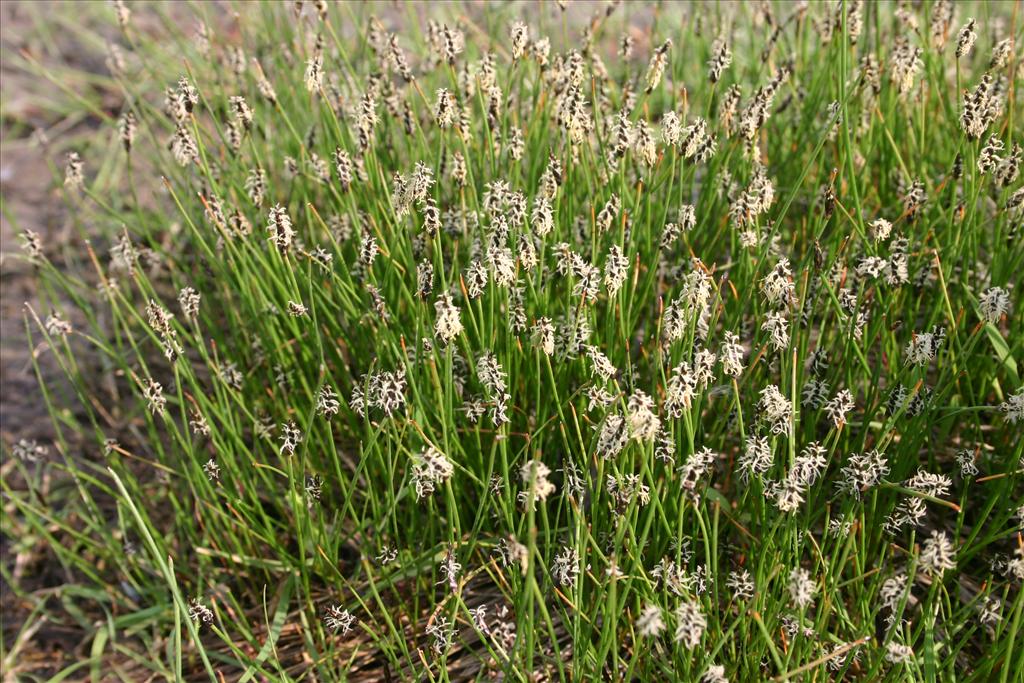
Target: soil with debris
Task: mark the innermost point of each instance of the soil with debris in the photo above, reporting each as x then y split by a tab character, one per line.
32	201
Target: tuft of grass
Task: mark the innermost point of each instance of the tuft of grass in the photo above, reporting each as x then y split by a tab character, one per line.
485	340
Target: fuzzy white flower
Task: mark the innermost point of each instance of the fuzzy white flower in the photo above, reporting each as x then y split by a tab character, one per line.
616	269
714	674
965	39
671	128
198	612
801	587
566	568
740	584
1014	407
994	303
777	286
613	436
643	421
430	468
535	474
923	346
339	619
314	75
279	225
291	437
938	554
775	409
897	653
448	325
650	623
153	392
447	108
690	624
544	335
880	229
600	365
839	406
777	327
656	69
519	37
731	354
756	458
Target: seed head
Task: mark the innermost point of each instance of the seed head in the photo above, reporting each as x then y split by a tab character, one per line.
243	113
198	612
776	325
57	326
339	619
314	75
616	269
451	44
28	450
941	21
923	346
880	229
801	588
397	60
279	225
183	147
153	392
839	406
740	584
720	60
756	458
566	567
291	437
643	144
534	475
697	142
898	653
937	554
188	299
73	177
981	107
965	39
430	468
519	37
731	354
656	68
690	624
650	623
1001	53
863	471
32	243
994	303
126	127
263	85
714	674
446	110
448	325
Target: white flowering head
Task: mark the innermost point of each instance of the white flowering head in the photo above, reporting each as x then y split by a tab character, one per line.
650	622
448	324
993	304
690	624
339	619
430	468
801	588
534	475
937	554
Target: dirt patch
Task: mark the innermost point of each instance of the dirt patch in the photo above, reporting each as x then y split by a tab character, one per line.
31	201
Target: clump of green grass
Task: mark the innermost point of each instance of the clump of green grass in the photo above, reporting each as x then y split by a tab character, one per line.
676	342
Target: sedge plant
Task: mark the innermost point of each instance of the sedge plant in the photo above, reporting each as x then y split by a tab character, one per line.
547	341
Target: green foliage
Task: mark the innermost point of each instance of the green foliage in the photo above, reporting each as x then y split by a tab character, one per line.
629	418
